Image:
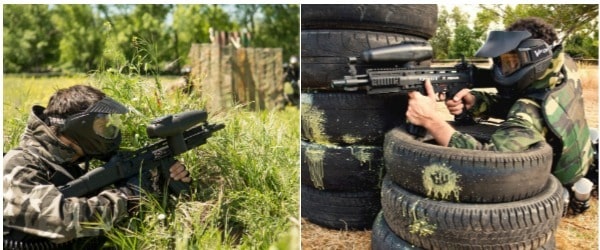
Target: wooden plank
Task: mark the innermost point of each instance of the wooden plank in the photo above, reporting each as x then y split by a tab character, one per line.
213	90
226	83
250	79
239	85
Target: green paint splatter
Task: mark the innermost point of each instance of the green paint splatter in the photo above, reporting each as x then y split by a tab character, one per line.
315	166
420	226
441	182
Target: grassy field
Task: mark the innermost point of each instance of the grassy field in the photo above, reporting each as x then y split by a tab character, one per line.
245	193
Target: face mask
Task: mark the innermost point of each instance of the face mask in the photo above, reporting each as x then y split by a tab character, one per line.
531	51
97	129
94	133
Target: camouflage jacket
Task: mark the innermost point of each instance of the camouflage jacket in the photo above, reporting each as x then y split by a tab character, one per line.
534	118
33	205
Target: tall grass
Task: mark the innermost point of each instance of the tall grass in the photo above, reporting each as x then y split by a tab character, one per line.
20	93
246	176
245	193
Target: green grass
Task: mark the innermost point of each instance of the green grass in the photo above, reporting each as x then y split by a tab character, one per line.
245	193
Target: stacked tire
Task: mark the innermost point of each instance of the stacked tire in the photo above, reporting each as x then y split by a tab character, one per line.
343	132
436	197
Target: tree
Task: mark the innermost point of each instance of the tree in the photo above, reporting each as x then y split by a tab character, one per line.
575	23
247	16
441	41
191	24
582	46
81	40
88	37
189	27
148	42
30	39
463	41
272	25
280	27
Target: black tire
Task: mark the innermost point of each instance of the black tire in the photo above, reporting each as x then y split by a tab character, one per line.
333	168
465	175
414	19
350	118
382	237
340	210
524	224
325	53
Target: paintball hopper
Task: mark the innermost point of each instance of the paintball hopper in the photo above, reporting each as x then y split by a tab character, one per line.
172	127
404	52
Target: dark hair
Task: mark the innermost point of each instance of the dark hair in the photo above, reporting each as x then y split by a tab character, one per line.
538	28
69	101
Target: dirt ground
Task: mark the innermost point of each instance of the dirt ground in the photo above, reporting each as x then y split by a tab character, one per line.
579	232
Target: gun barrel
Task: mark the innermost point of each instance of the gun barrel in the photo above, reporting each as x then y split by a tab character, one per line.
349	82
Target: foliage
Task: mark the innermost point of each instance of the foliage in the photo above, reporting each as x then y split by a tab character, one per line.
74	37
191	24
443	36
30	40
582	46
577	25
281	23
79	44
454	38
465	42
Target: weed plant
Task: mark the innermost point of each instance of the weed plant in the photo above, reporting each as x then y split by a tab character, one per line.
245	192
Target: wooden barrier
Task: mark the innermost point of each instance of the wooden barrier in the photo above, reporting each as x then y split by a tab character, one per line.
226	76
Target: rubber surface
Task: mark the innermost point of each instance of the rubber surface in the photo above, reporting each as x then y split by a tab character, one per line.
430	224
350	118
465	175
415	19
334	168
340	210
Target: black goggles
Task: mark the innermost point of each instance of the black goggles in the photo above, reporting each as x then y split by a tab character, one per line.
522	56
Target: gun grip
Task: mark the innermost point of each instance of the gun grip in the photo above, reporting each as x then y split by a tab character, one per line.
464	118
415	130
176	187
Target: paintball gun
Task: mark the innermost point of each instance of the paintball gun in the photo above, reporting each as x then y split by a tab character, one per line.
382	74
179	134
380	78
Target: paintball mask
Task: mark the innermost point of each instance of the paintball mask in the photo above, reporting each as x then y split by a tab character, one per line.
518	59
97	129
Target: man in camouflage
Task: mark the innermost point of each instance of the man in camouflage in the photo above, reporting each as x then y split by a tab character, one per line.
55	142
539	98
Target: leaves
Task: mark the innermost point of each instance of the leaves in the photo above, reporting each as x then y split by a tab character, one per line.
576	24
83	38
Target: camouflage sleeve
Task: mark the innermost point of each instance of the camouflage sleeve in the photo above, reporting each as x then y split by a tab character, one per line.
489	105
35	206
523	128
